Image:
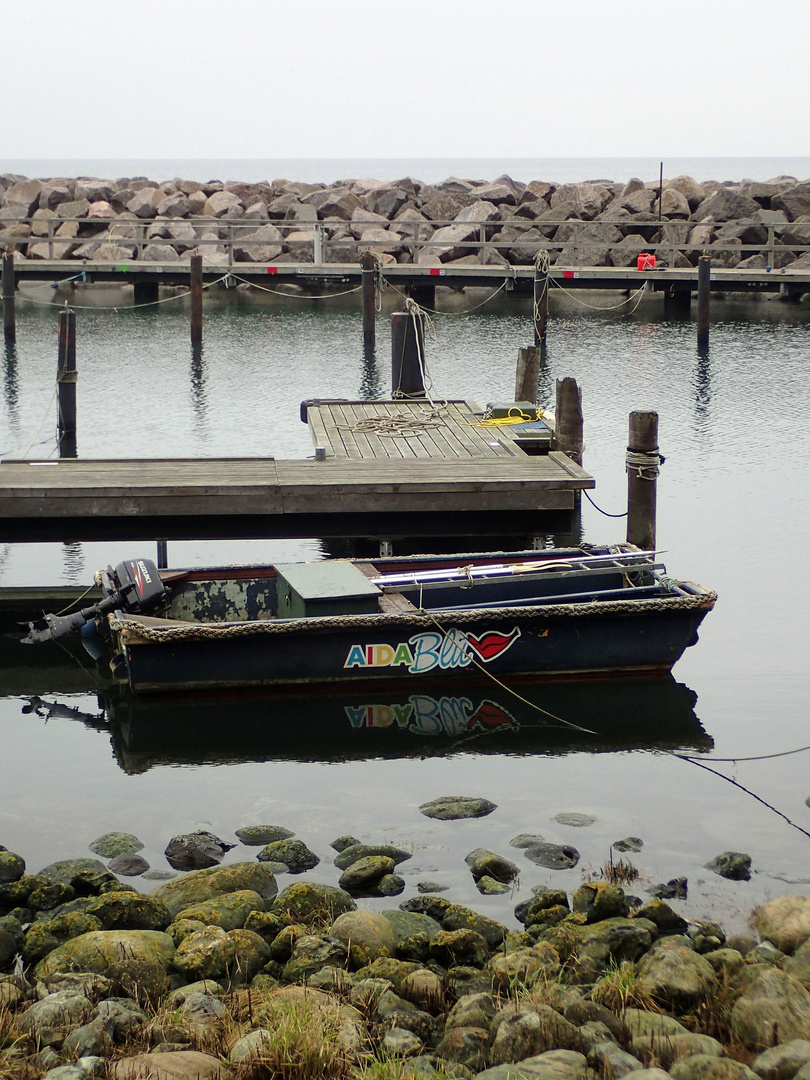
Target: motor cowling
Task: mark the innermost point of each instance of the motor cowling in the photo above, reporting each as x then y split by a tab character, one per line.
134	586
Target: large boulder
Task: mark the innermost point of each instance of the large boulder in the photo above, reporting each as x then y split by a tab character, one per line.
727	205
199	885
675	975
795	202
24	195
223	204
785	922
307	901
136	961
366	934
169	1065
774	1009
230	911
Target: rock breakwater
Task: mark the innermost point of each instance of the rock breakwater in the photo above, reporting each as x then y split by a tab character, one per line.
219	973
595	223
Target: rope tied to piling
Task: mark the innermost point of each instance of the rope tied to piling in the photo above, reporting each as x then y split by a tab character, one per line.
645	465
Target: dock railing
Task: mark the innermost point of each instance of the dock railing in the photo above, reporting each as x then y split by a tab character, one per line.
325	242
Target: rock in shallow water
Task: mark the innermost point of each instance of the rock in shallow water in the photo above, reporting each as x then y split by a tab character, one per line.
295	855
195	851
732	865
553	856
454	807
115	843
257	835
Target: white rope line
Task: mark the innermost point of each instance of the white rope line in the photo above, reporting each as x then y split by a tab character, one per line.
294	296
637	295
117	307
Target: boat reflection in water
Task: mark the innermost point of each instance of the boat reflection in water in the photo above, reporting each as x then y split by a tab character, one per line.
352	724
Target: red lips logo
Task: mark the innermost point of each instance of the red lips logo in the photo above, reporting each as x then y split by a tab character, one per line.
489	715
492	644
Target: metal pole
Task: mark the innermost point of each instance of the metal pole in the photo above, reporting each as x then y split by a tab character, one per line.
704	292
162	554
9	316
367	262
195	276
643	463
66	384
660	188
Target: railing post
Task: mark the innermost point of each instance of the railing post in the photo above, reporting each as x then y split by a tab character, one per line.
9	314
482	239
770	258
643	463
66	384
367	262
317	244
195	280
230	245
704	292
50	239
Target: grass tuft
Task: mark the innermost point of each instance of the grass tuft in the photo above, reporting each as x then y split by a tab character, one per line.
619	989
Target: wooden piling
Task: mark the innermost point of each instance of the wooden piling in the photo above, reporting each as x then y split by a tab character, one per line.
643	464
568	419
407	354
540	308
704	291
367	264
145	292
9	314
66	384
195	276
527	375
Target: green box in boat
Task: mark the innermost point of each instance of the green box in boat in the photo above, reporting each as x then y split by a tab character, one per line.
499	410
324	588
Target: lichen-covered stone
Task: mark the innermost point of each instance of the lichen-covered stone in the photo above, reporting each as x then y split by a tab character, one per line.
258	835
115	843
306	900
785	922
776	1007
230	911
134	960
675	975
600	900
523	967
366	934
454	807
42	937
130	911
354	852
12	866
295	855
363	874
199	885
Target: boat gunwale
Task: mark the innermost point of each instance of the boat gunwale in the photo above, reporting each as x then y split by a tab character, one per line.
134	629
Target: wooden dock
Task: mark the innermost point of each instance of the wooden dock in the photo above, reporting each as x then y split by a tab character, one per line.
449	477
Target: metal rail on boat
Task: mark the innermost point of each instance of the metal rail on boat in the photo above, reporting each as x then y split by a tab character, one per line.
461	573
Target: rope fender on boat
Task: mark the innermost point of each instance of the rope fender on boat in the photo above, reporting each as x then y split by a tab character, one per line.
131	630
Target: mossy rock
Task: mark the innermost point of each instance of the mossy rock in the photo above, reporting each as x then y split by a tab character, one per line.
307	901
136	961
230	911
367	934
44	936
127	910
459	917
200	885
112	844
294	854
65	870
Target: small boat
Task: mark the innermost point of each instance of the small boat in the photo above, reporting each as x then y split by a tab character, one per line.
400	622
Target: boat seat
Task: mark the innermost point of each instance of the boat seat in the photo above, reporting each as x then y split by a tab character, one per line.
393	602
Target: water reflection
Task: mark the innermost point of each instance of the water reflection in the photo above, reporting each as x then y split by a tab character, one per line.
11	386
370	375
428	719
199	391
73	563
702	383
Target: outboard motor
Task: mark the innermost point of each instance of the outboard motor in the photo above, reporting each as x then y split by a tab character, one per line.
134	586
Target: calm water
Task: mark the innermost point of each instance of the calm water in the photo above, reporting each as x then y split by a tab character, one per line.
429	170
733	506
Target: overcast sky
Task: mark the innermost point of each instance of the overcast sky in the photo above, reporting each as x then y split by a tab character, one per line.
416	78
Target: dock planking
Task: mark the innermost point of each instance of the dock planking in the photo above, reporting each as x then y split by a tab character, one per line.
456	478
